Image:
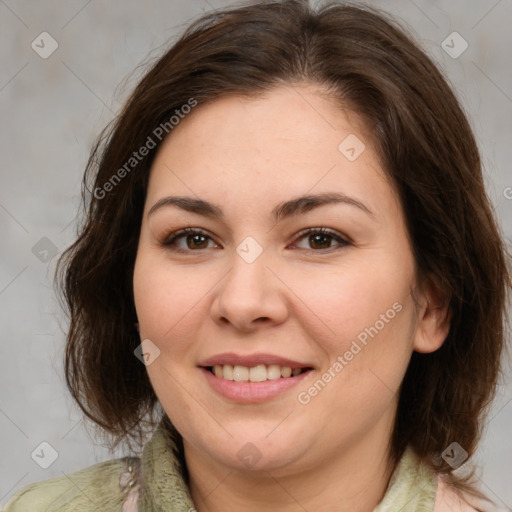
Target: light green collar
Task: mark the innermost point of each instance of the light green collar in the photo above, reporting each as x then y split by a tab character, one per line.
412	486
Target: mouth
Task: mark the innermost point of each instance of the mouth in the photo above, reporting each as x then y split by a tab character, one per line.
258	373
253	378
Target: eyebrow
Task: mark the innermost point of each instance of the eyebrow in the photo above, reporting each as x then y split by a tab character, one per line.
293	207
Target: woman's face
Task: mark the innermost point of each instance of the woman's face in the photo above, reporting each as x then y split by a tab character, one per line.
256	290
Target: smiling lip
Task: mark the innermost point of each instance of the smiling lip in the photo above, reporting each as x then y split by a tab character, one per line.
251	392
252	360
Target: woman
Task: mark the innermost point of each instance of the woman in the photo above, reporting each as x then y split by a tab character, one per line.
288	249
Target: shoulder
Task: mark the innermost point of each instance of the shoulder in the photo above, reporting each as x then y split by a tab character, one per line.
94	488
449	499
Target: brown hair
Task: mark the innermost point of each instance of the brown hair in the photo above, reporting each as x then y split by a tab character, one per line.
425	144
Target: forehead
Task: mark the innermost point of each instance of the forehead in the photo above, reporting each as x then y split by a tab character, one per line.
287	113
287	142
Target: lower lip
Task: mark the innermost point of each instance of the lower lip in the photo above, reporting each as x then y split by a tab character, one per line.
252	392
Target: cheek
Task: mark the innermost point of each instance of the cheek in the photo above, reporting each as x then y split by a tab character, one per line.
344	303
167	301
367	319
166	298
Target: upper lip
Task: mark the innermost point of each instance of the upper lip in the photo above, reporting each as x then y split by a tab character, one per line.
252	360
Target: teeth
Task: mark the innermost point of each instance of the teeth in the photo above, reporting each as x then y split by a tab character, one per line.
286	371
240	373
228	372
273	372
259	373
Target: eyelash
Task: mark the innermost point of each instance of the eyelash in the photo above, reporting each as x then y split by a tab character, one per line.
170	240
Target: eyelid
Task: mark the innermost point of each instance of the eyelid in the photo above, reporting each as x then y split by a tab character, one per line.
321	229
171	237
342	240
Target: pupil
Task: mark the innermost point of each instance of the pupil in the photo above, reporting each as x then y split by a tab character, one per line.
314	239
318	239
195	239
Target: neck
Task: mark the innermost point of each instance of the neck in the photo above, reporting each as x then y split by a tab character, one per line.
354	481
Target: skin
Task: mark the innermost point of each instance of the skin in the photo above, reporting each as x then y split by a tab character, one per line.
299	299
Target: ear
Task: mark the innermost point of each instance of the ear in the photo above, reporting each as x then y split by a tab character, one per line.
434	318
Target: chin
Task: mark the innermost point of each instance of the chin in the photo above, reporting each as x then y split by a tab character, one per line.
252	448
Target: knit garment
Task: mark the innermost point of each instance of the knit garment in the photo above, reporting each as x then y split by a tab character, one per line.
155	483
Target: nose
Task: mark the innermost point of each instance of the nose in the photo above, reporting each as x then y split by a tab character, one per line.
250	296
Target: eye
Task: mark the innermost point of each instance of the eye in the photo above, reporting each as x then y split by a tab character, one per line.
193	239
321	238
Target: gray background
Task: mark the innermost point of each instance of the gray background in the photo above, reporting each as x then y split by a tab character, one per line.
51	111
